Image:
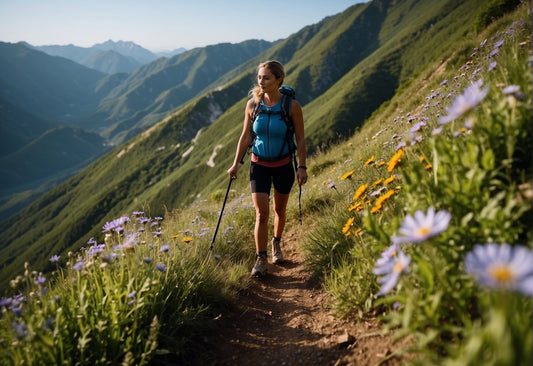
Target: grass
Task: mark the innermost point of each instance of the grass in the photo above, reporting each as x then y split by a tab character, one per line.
145	293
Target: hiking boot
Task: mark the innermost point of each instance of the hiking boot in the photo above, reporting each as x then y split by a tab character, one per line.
260	268
277	255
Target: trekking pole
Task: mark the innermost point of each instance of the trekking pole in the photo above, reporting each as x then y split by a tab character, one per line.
220	216
224	204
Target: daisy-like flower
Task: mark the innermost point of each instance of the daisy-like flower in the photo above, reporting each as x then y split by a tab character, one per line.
369	161
54	258
394	161
116	225
186	239
347	175
347	226
360	192
392	263
422	227
389	179
358	206
502	267
386	196
465	102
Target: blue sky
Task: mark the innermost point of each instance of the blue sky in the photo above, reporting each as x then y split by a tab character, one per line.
159	24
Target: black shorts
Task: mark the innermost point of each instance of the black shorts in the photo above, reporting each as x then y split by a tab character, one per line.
262	177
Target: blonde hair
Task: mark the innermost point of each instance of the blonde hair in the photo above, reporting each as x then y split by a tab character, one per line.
276	68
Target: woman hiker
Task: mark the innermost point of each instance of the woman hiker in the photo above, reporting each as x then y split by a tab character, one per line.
270	129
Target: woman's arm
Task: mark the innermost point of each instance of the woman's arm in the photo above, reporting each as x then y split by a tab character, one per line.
244	140
298	122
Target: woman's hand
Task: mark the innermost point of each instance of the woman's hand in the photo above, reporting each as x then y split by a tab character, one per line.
301	175
233	171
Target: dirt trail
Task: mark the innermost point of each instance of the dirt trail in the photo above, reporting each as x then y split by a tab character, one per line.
281	320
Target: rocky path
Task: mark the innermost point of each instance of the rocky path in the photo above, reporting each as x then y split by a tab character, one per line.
281	320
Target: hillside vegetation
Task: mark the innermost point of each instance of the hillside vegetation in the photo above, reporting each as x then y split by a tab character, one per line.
422	216
154	170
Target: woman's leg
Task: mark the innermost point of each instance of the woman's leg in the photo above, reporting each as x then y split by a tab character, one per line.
261	203
280	210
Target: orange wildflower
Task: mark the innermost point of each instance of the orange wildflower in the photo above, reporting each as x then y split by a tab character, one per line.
348	225
377	182
393	162
429	167
186	239
383	198
347	175
358	206
389	179
360	191
369	161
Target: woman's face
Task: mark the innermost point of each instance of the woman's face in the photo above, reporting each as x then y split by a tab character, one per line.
267	81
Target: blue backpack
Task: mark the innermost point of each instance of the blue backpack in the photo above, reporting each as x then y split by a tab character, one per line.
287	95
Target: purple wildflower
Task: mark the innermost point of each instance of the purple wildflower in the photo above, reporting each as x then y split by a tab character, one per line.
391	265
79	266
116	225
95	249
421	227
40	280
502	267
465	102
161	267
54	258
511	89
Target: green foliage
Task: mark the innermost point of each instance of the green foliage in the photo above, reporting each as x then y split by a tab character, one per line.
478	168
139	295
494	9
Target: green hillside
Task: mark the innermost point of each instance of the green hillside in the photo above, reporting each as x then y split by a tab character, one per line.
152	171
51	87
18	127
57	150
153	90
418	222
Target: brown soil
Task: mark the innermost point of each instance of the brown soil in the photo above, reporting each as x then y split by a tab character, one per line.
281	320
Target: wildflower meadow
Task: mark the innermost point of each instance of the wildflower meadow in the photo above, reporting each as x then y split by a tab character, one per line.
436	234
422	219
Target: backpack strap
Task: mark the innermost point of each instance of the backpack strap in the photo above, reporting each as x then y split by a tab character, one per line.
286	103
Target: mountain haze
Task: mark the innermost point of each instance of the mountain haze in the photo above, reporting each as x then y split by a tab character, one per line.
52	87
343	69
108	57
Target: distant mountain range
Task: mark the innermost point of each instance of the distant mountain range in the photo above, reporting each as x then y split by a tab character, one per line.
149	133
40	93
109	57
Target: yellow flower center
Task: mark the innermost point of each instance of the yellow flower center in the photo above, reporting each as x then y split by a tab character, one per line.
423	231
501	274
398	267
